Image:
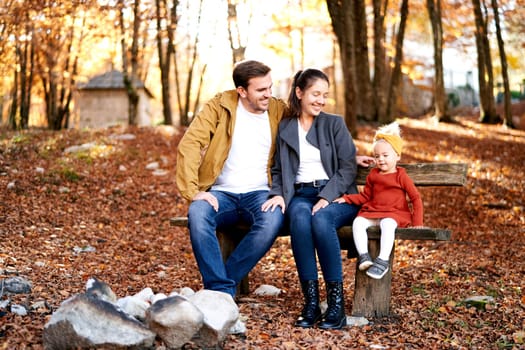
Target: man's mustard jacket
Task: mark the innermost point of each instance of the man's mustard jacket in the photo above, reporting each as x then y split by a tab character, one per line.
203	149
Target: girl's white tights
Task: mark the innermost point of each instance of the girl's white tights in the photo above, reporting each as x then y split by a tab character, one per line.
388	232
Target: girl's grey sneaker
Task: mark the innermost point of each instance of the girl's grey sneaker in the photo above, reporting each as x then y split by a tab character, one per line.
364	261
378	269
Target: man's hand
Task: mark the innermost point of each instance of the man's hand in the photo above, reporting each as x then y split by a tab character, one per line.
365	161
208	197
273	203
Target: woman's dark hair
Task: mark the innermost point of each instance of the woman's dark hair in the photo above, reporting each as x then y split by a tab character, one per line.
302	80
246	70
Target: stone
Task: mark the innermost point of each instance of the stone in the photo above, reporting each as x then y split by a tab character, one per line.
220	314
267	290
157	297
175	320
160	172
134	306
84	321
238	328
479	301
186	291
82	148
100	290
356	321
153	166
16	285
145	295
18	309
123	137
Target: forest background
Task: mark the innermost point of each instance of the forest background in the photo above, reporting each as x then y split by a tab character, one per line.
184	51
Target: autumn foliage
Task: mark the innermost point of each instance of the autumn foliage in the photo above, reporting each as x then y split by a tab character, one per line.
53	204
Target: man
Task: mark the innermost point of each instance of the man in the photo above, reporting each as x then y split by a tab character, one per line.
223	165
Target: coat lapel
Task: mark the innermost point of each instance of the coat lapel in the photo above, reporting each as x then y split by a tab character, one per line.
290	135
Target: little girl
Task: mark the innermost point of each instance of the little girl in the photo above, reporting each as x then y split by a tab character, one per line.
384	201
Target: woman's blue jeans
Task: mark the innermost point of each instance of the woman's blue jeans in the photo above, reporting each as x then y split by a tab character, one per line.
203	221
317	233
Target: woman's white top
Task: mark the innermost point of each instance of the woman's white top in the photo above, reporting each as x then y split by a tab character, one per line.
310	166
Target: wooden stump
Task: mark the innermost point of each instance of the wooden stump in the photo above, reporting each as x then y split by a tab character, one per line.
371	296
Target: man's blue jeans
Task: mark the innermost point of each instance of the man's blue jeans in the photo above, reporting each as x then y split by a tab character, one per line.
317	233
203	221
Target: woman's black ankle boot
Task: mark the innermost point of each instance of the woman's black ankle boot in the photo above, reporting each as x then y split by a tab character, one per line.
334	317
311	311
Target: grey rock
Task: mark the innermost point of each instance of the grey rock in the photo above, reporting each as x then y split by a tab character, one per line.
479	301
220	315
16	285
84	321
238	328
82	148
4	303
267	290
123	137
175	320
100	290
18	309
356	321
134	306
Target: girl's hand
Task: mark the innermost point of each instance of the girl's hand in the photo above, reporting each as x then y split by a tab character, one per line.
272	203
340	200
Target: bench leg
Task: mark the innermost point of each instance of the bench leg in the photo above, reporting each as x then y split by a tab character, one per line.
228	244
372	297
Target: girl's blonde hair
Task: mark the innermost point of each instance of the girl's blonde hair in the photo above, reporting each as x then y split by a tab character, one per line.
390	133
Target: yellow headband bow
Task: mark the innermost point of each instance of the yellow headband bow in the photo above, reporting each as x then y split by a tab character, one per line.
395	141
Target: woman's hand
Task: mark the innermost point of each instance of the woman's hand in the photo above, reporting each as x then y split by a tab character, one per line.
273	203
322	203
365	161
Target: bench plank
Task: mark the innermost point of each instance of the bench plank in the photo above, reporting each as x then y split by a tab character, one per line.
428	174
374	232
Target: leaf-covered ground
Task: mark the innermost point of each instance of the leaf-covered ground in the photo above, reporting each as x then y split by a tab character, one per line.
53	206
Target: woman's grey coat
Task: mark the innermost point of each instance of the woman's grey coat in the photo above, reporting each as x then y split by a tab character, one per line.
330	135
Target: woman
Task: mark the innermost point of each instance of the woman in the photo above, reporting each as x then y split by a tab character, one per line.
315	163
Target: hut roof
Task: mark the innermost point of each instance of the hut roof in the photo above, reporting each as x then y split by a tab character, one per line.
113	79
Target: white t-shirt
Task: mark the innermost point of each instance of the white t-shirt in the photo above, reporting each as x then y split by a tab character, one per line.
310	166
245	169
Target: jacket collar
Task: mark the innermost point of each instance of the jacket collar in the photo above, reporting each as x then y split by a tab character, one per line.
290	135
229	100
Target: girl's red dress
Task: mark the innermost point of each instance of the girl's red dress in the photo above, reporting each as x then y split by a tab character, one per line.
385	196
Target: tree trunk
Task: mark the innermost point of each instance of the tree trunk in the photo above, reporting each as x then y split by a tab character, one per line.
507	120
25	53
129	78
189	81
164	60
14	105
486	77
340	13
176	72
378	85
237	45
440	97
396	73
362	64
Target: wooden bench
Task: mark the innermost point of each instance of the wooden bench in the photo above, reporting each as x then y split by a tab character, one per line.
371	297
